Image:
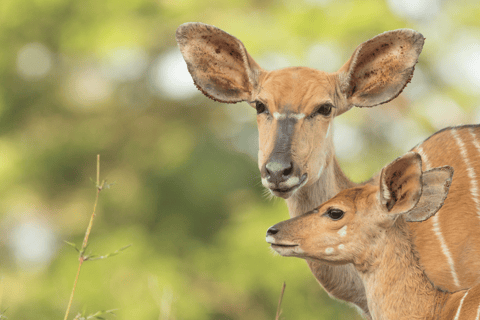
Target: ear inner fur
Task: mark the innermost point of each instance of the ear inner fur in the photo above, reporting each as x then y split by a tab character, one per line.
401	183
218	62
381	67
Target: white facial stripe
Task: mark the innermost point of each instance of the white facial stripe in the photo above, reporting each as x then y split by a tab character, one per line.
297	116
329	250
342	232
320	171
282	116
328	131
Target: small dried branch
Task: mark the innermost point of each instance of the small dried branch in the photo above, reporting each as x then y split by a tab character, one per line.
279	311
81	251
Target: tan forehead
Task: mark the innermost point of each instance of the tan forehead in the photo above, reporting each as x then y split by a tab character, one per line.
353	199
297	88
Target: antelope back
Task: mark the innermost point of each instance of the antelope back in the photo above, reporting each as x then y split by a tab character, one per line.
449	243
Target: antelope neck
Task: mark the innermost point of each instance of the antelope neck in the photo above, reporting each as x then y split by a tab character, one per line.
331	181
395	284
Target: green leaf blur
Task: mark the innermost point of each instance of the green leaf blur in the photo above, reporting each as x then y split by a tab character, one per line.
81	78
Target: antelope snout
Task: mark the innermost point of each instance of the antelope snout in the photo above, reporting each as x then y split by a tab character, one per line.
271	231
278	171
282	177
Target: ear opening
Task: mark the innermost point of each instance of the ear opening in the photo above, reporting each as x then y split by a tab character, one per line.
436	184
380	68
401	183
218	62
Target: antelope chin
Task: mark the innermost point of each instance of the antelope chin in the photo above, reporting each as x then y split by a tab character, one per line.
284	190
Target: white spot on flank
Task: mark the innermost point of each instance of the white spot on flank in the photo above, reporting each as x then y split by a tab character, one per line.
329	250
342	232
341	247
470	170
436	227
457	315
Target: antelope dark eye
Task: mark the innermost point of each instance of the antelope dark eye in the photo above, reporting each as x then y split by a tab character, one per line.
261	107
324	110
335	214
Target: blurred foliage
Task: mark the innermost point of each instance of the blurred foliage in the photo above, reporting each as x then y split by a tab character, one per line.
187	192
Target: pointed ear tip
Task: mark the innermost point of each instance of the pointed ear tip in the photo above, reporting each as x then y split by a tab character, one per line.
187	27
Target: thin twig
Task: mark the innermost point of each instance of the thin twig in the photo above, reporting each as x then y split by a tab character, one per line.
279	311
81	257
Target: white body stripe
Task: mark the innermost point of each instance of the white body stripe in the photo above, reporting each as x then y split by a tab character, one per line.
470	170
437	230
457	315
478	313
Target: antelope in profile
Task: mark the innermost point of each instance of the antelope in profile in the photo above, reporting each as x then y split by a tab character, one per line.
295	110
368	226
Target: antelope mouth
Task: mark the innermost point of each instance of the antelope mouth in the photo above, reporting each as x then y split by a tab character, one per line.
284	249
286	191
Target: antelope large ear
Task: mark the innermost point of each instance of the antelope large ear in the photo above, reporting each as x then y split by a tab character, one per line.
219	63
401	184
380	68
435	185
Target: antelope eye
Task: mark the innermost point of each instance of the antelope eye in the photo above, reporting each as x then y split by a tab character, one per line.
335	214
325	110
261	107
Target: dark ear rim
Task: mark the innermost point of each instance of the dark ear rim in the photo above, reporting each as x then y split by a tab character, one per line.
251	66
447	184
345	73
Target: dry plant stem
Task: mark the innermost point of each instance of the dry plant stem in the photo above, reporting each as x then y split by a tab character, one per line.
277	317
81	257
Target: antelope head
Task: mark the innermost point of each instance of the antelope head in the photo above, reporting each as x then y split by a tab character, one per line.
296	106
353	223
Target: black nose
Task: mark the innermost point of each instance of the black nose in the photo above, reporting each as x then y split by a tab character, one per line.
271	231
278	171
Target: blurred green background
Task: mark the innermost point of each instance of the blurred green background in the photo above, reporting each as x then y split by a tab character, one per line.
79	78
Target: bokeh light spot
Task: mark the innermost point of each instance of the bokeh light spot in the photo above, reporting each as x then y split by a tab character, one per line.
34	61
170	76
